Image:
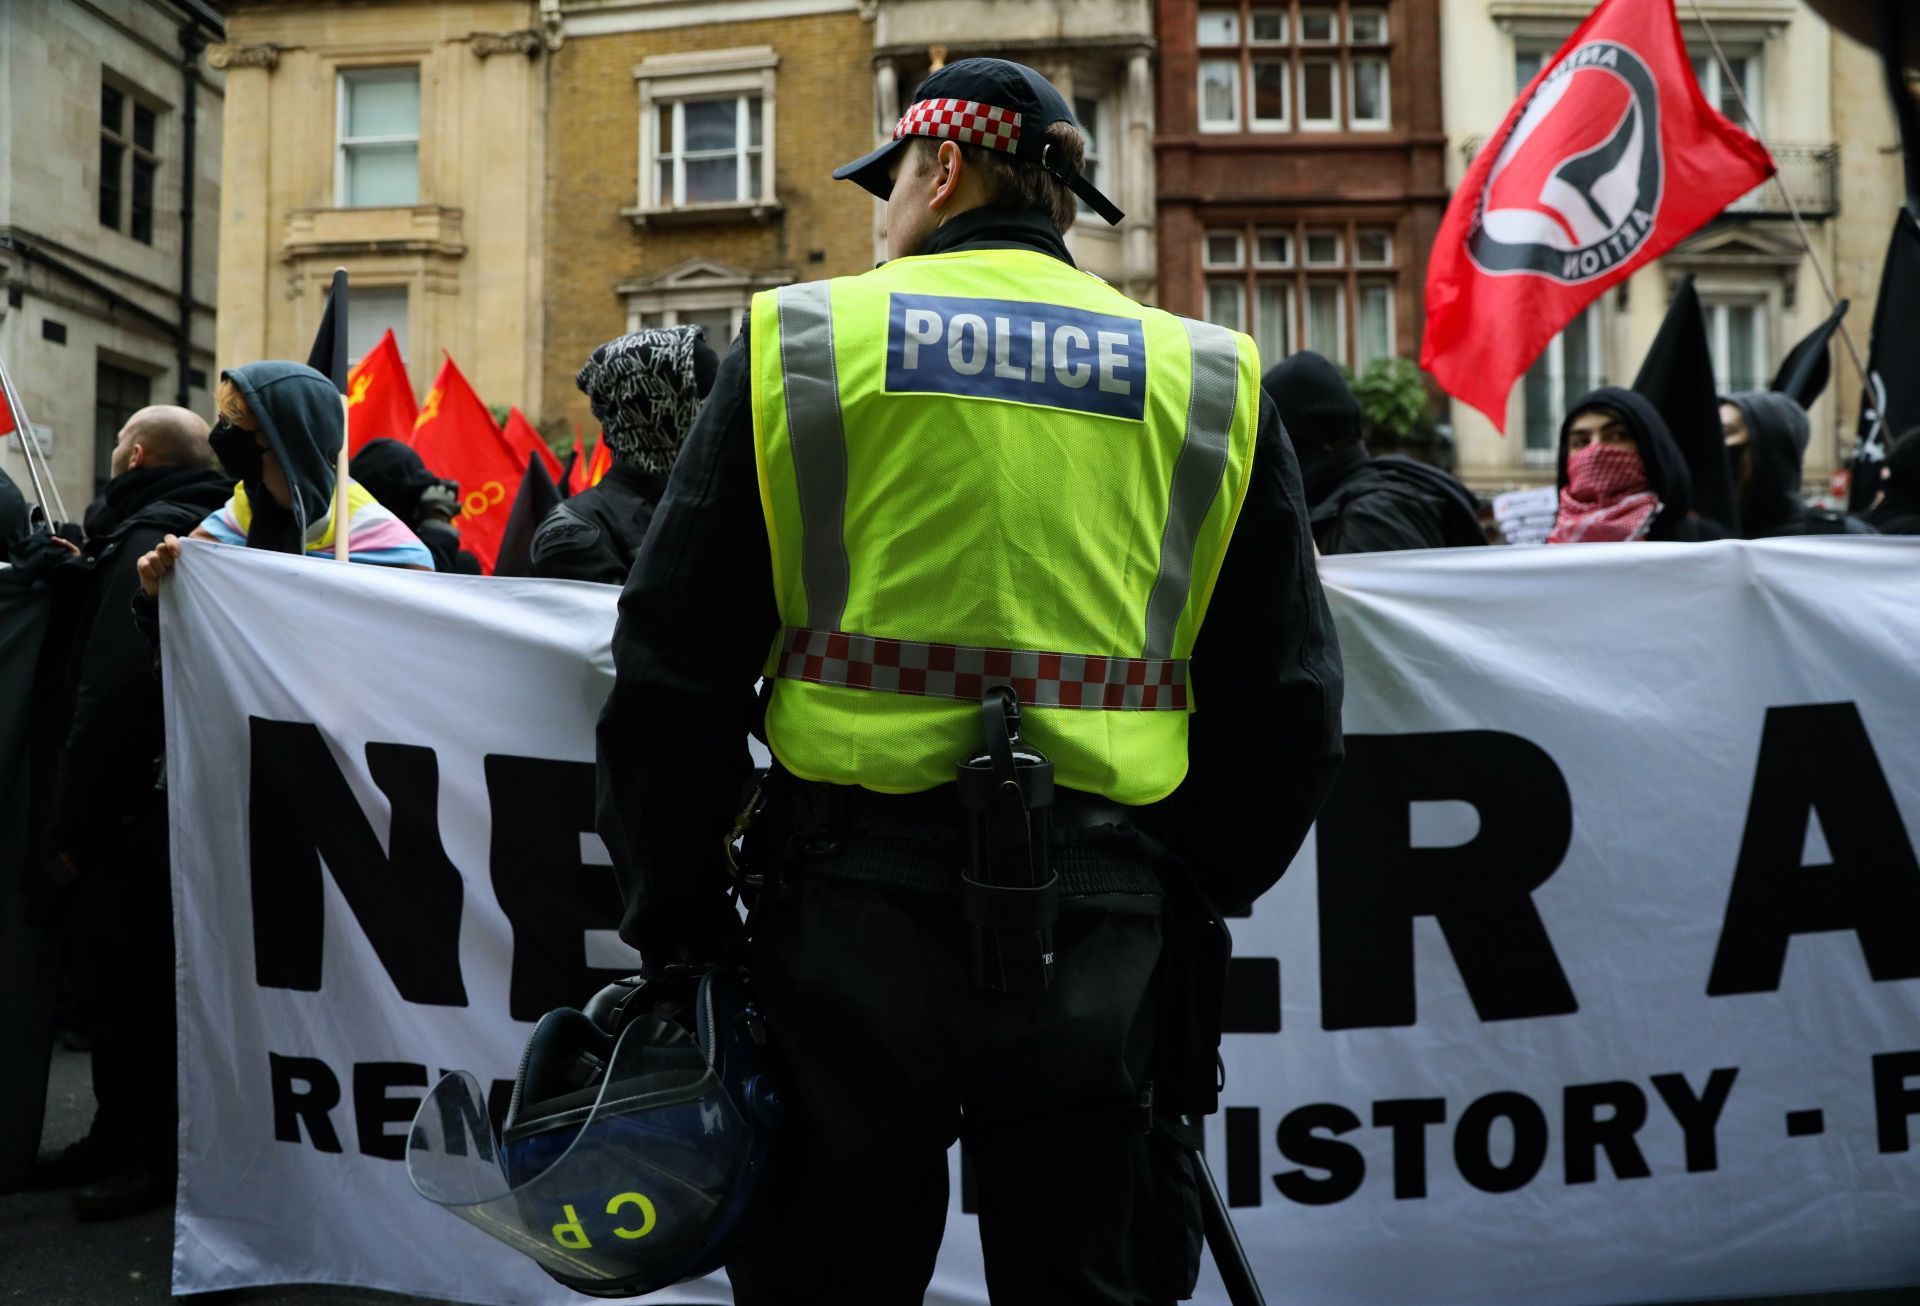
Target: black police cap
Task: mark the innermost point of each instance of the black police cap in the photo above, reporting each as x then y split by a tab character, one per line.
994	103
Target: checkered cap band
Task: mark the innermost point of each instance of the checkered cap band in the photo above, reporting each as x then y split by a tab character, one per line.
896	666
967	121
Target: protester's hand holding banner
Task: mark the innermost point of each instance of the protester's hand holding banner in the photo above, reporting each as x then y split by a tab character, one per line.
1599	980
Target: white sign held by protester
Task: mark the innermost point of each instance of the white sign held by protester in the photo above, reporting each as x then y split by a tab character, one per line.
1598	980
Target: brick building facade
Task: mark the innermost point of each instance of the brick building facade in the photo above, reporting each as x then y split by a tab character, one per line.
691	165
1301	170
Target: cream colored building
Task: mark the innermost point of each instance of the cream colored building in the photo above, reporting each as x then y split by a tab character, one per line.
102	315
404	140
1099	53
1820	106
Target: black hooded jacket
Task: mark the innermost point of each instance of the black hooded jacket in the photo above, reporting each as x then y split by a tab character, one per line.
1777	436
107	802
1666	466
299	412
595	534
1375	505
394	474
1898	512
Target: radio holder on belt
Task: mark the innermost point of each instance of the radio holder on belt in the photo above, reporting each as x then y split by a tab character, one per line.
1009	892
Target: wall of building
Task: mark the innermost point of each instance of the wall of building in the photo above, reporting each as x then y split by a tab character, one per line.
116	297
594	248
470	252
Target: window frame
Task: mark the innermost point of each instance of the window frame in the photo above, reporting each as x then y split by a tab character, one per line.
1337	55
1751	85
344	144
1554	358
1717	308
741	75
1349	274
746	106
129	159
1104	161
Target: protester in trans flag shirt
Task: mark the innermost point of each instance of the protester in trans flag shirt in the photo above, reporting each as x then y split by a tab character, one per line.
280	431
1897	510
1622	476
1358	503
394	474
1767	437
645	389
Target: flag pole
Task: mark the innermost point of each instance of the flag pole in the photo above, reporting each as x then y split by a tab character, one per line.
23	431
1793	210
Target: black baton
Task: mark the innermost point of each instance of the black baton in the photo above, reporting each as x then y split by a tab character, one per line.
1229	1257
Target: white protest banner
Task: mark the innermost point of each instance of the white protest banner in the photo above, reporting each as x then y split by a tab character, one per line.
1598	981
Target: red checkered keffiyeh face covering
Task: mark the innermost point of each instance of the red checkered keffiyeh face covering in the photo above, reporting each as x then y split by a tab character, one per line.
1606	497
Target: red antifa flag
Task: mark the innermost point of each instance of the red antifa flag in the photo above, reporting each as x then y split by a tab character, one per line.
456	438
1609	157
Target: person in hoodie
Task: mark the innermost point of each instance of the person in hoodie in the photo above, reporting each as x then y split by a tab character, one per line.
1767	436
110	816
280	431
645	389
1622	476
1358	503
1897	510
394	474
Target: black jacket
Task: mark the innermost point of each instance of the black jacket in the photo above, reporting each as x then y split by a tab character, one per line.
1375	505
1898	512
698	616
107	800
595	534
1667	474
1777	436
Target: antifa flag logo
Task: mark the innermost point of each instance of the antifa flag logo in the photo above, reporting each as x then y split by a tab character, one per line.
1576	187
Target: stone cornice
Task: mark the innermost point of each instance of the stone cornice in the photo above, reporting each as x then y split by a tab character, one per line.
487	44
244	56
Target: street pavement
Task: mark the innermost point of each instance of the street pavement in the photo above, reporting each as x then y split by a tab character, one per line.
47	1258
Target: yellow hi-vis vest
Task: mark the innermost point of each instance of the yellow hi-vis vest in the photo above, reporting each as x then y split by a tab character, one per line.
985	467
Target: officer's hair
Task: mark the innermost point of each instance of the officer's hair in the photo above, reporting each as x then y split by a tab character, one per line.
1020	183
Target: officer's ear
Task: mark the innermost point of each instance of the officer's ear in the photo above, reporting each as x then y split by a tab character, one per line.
950	170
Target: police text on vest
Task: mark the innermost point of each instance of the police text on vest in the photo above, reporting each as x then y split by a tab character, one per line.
1028	353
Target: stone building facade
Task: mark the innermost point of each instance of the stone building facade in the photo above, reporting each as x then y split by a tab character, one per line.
1301	170
1819	104
404	140
108	222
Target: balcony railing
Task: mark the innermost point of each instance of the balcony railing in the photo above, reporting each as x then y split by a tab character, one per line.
1811	172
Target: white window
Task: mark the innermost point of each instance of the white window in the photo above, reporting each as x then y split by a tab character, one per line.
1273	319
1373	328
1269	27
1367	107
1219	95
1087	110
699	292
1373	247
1273	249
1227	303
1526	66
1367	27
1319	26
378	161
1737	335
706	129
1218	27
1222	249
1723	92
1327	319
1323	249
371	312
721	323
1320	94
1269	108
1568	369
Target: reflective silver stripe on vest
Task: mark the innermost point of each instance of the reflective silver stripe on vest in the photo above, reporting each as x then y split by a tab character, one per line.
818	437
961	671
1196	476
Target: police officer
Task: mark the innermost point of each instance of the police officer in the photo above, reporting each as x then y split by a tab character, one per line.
974	465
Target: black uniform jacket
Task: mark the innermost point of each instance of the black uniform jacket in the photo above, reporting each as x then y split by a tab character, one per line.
595	534
698	617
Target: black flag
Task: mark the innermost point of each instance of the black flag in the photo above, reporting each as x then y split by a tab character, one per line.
537	497
329	353
1891	405
1803	376
1677	378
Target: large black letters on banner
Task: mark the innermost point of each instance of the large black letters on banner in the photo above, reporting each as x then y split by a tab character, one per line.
1309	1137
1894	1099
540	809
1589	1132
1373	881
1818	758
406	899
307	1105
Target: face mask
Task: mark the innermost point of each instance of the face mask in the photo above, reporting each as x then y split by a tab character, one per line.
1602	472
236	450
1606	497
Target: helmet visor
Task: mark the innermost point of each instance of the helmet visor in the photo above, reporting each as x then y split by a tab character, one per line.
619	1199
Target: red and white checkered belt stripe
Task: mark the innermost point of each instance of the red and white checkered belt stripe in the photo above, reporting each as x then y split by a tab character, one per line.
898	666
967	121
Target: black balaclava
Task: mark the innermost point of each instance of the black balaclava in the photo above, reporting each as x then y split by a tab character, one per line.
1666	466
1321	417
1777	435
645	389
299	411
394	474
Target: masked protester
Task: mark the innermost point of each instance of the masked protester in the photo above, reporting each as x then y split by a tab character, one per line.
1622	476
645	389
280	431
395	475
1767	437
1358	503
1897	510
